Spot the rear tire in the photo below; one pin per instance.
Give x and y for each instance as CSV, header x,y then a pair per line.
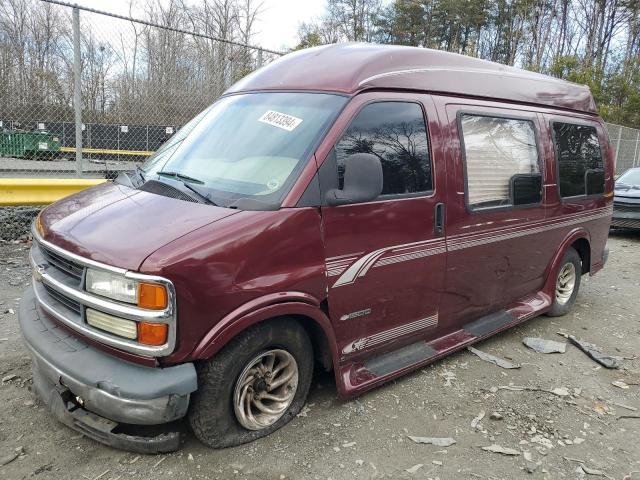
x,y
235,386
567,283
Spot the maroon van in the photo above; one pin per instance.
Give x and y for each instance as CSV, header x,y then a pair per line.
x,y
372,208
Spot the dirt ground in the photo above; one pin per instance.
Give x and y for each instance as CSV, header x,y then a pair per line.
x,y
589,428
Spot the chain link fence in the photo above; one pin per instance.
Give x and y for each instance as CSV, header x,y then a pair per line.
x,y
627,145
84,93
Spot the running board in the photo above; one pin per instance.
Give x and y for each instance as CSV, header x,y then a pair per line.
x,y
360,376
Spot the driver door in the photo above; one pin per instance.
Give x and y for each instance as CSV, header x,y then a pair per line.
x,y
385,259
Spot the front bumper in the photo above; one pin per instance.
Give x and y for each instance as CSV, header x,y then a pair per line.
x,y
94,392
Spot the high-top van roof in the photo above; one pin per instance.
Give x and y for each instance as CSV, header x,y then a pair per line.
x,y
353,67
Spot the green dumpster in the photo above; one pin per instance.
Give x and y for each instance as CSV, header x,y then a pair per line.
x,y
19,144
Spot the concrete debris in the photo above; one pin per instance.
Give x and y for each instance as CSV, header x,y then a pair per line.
x,y
10,457
477,419
493,359
414,469
607,361
541,345
591,471
8,378
560,391
496,416
437,441
620,384
9,311
495,448
545,442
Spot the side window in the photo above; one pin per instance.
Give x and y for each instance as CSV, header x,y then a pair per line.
x,y
580,164
394,132
500,153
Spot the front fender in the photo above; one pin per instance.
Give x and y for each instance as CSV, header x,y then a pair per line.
x,y
264,308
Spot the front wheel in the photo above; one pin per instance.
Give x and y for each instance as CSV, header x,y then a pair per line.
x,y
254,386
567,283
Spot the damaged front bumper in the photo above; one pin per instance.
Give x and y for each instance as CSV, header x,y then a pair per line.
x,y
100,395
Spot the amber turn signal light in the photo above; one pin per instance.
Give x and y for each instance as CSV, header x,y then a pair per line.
x,y
154,334
152,296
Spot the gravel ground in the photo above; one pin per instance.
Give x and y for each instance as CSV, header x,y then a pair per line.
x,y
589,428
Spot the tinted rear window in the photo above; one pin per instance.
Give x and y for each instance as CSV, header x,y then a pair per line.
x,y
580,164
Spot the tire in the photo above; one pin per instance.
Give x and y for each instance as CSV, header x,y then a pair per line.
x,y
212,416
563,299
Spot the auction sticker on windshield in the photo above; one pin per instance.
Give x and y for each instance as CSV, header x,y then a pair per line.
x,y
280,120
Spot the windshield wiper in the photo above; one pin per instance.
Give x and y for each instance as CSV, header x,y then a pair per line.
x,y
203,195
186,180
181,176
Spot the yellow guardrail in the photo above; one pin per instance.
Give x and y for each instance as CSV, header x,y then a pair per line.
x,y
41,191
140,153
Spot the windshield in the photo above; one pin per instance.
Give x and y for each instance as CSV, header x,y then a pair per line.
x,y
247,146
630,177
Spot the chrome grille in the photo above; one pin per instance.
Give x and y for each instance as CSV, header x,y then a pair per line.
x,y
621,207
68,267
64,300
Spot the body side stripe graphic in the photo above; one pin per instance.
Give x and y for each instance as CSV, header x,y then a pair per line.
x,y
391,334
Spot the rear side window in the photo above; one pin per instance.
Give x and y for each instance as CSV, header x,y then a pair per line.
x,y
579,158
394,132
497,151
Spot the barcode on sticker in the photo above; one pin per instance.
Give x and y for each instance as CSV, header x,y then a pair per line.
x,y
280,120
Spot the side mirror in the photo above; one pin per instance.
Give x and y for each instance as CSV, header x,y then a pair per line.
x,y
362,180
594,182
525,189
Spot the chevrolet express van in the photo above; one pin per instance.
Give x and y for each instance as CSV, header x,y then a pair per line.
x,y
372,208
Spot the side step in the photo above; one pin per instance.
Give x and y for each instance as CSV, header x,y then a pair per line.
x,y
399,359
360,376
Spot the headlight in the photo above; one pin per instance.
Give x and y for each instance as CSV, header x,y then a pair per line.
x,y
112,286
118,287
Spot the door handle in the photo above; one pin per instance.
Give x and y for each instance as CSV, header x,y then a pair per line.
x,y
438,227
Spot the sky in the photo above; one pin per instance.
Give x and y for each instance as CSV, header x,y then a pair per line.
x,y
278,23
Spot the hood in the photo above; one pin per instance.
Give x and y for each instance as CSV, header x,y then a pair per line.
x,y
121,226
623,190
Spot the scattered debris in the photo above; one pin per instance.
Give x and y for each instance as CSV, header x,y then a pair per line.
x,y
9,311
495,448
414,469
620,384
348,444
10,457
591,471
545,442
438,442
9,377
607,361
541,345
496,416
493,359
626,407
448,376
436,462
628,416
304,412
560,391
477,419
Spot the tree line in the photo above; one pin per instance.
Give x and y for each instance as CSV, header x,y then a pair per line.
x,y
131,72
593,42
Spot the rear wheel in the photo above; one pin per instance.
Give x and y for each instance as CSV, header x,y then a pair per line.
x,y
567,283
254,386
